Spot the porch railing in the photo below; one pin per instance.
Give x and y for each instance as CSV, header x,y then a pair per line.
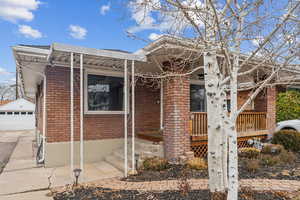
x,y
246,122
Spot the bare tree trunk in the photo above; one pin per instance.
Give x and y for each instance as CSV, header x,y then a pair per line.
x,y
216,172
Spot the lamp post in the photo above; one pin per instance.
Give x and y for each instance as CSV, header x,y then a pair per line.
x,y
76,174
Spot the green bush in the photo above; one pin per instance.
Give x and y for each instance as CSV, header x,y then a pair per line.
x,y
155,164
289,139
288,105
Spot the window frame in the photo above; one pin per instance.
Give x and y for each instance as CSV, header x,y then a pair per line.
x,y
197,82
102,73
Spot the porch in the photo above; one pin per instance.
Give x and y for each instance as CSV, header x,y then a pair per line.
x,y
249,125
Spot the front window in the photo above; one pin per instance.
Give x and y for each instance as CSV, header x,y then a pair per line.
x,y
197,98
104,93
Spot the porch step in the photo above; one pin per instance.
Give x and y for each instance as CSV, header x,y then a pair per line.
x,y
142,147
117,162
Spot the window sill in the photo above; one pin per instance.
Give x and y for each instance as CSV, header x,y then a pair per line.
x,y
104,112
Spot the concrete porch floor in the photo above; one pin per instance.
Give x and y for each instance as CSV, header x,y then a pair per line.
x,y
21,173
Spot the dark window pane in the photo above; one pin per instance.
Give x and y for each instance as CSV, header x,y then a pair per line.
x,y
9,113
2,113
197,98
29,113
105,93
23,113
16,113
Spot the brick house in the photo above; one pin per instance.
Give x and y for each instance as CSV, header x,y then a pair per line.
x,y
84,113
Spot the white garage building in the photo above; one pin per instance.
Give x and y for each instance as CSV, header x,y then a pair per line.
x,y
17,115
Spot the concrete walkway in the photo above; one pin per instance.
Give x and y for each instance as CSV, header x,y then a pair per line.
x,y
21,175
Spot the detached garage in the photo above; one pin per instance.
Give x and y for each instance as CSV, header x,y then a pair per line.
x,y
17,115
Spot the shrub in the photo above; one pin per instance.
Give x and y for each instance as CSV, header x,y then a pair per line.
x,y
273,149
287,157
288,105
252,165
269,160
290,139
155,164
249,152
197,163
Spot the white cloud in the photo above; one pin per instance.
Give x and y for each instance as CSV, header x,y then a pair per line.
x,y
29,32
13,10
104,9
154,36
77,32
4,71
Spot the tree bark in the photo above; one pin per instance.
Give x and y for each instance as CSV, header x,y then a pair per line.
x,y
232,136
217,180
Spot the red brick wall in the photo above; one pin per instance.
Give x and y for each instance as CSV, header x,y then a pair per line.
x,y
96,126
176,117
147,108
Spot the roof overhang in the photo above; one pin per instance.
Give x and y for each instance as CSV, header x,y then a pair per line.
x,y
32,60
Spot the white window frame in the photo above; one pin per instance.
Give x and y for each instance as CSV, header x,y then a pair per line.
x,y
101,73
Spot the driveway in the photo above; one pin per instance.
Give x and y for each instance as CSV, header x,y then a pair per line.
x,y
6,149
23,179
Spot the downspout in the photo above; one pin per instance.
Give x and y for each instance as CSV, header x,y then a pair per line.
x,y
44,118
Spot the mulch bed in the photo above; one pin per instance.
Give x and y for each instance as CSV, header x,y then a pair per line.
x,y
284,171
89,193
280,171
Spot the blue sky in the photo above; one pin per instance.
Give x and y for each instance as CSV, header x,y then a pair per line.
x,y
95,23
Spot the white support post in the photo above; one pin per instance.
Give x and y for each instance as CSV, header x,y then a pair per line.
x,y
72,115
81,113
44,116
133,115
161,104
125,119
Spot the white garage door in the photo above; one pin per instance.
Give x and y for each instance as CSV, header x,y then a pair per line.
x,y
17,120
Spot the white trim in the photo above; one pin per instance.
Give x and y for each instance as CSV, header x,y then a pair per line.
x,y
125,120
133,115
97,52
44,116
72,115
81,112
31,49
103,73
197,82
161,104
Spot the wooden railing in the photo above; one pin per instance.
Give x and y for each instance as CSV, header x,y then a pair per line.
x,y
246,122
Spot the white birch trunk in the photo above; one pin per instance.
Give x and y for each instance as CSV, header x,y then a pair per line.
x,y
214,123
232,137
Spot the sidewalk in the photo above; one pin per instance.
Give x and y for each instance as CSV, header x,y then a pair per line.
x,y
21,173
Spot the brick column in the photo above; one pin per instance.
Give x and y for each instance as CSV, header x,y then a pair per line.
x,y
176,118
271,109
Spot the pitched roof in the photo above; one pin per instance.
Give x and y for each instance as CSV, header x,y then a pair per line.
x,y
2,102
18,105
